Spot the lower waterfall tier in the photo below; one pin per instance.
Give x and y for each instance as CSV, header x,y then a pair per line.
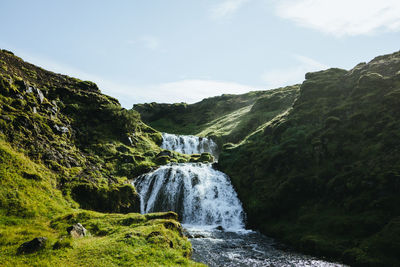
x,y
197,192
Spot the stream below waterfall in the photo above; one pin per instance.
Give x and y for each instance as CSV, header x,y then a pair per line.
x,y
210,211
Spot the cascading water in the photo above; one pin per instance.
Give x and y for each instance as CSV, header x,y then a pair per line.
x,y
197,192
204,198
188,144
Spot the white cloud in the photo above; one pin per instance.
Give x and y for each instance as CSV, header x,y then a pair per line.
x,y
227,8
292,75
343,17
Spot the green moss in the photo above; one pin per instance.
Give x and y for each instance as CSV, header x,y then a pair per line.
x,y
76,145
321,177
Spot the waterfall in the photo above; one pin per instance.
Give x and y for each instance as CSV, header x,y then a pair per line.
x,y
197,192
200,195
188,144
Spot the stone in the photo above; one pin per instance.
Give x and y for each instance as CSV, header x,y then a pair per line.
x,y
164,153
39,93
219,228
122,149
198,236
34,245
61,129
77,230
163,160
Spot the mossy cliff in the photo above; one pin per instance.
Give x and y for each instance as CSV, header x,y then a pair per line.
x,y
65,146
86,137
320,170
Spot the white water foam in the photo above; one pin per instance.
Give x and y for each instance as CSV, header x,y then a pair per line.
x,y
199,194
188,144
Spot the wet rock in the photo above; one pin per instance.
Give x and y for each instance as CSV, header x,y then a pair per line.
x,y
162,160
187,234
206,157
164,153
219,228
77,230
34,245
199,236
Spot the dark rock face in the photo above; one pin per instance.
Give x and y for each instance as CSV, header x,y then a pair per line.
x,y
77,230
32,246
164,153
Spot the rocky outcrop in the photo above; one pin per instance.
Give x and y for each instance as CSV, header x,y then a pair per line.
x,y
77,230
32,246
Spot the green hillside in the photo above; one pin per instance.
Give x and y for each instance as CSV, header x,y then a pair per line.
x,y
66,147
226,118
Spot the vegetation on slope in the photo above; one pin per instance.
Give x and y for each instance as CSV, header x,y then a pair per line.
x,y
326,176
93,144
226,118
63,142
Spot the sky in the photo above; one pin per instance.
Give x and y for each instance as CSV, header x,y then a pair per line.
x,y
185,50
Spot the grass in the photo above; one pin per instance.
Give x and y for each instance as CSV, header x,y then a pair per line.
x,y
32,206
48,176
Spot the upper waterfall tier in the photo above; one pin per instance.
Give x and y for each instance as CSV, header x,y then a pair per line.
x,y
188,144
198,193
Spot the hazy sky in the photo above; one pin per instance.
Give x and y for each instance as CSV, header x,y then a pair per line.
x,y
185,50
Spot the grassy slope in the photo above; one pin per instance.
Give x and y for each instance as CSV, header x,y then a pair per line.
x,y
44,171
226,118
31,206
102,146
326,177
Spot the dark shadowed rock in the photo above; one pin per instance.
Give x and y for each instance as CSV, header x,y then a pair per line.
x,y
164,153
34,245
219,228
